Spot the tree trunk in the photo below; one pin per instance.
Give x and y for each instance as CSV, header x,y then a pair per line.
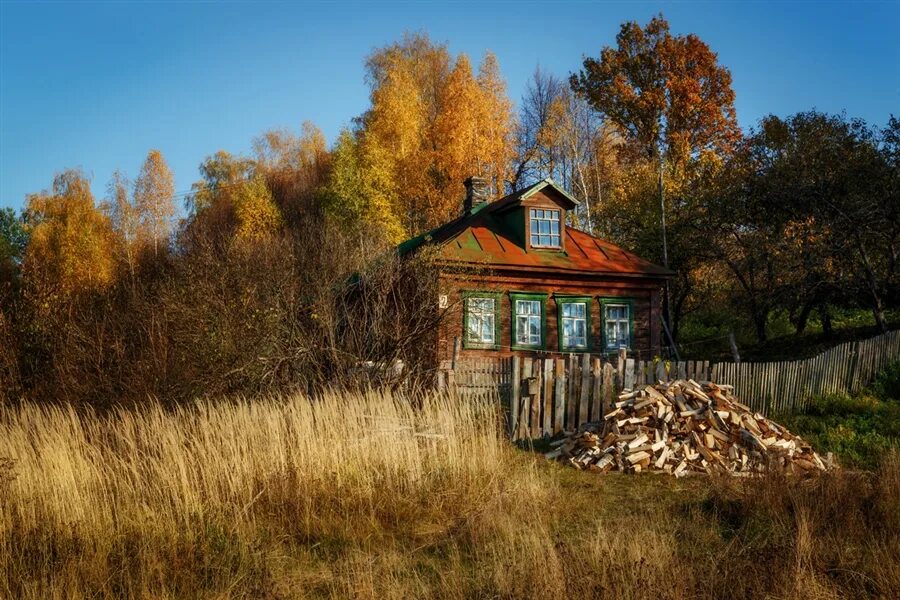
x,y
825,315
872,284
760,317
801,320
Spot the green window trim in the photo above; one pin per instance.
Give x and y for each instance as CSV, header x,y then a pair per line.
x,y
560,301
604,303
513,334
497,298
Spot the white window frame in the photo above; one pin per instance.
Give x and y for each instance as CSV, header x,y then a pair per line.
x,y
524,321
566,345
481,314
553,219
626,321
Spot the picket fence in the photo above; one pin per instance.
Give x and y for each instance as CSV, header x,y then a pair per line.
x,y
544,396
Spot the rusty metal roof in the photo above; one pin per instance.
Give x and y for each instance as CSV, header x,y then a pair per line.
x,y
485,238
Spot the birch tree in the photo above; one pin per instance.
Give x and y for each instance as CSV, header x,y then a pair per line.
x,y
154,191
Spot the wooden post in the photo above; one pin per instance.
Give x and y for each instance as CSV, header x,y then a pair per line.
x,y
609,392
628,384
661,371
621,367
734,348
572,399
514,396
524,429
536,401
548,396
560,423
585,389
596,399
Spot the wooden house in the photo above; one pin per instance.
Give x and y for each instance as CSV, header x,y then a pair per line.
x,y
515,278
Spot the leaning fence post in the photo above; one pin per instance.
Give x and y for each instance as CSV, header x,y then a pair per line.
x,y
621,368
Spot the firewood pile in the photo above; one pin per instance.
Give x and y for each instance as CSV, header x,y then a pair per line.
x,y
684,427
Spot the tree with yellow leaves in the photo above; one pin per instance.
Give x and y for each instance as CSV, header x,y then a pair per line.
x,y
473,128
72,245
497,124
429,127
233,201
256,215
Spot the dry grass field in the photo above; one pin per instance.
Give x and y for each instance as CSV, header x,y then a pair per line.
x,y
373,496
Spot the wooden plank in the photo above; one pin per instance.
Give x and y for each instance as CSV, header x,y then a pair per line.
x,y
585,394
661,371
548,397
620,367
559,422
596,390
629,374
609,388
536,402
515,397
571,395
525,413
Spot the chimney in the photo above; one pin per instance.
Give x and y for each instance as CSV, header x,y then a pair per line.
x,y
476,195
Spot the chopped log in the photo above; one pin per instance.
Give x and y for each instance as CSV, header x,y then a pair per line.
x,y
684,427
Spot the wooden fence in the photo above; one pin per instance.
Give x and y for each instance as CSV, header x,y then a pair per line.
x,y
543,396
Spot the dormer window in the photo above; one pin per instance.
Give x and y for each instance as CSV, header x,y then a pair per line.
x,y
545,228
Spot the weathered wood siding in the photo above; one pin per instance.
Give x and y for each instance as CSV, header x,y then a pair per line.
x,y
645,294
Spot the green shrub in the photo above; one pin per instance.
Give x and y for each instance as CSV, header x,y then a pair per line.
x,y
859,429
887,384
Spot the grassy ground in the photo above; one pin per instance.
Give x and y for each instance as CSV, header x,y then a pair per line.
x,y
367,497
859,429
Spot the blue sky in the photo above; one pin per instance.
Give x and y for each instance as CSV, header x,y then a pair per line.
x,y
96,85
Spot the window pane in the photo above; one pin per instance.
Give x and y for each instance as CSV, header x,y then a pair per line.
x,y
579,328
480,320
487,332
554,226
522,330
474,327
545,226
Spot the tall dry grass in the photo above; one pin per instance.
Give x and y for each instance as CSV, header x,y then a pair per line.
x,y
377,496
222,498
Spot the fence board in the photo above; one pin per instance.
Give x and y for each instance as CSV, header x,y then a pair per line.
x,y
548,396
536,403
585,389
596,390
560,395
